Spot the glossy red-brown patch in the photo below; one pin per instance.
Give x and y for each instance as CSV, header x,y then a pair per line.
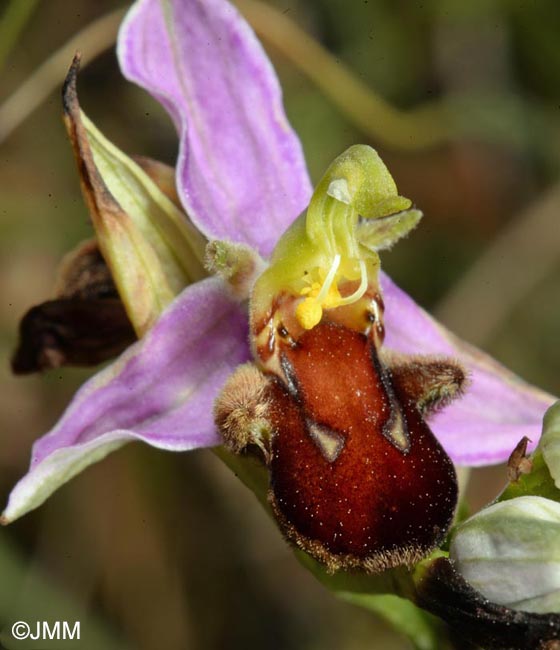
x,y
368,498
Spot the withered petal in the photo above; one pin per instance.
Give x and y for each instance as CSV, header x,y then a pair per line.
x,y
71,332
83,273
84,325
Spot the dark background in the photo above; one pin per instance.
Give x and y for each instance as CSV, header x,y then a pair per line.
x,y
155,550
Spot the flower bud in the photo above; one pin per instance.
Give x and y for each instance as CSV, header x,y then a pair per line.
x,y
510,552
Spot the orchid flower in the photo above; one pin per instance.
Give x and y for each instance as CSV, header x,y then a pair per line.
x,y
241,177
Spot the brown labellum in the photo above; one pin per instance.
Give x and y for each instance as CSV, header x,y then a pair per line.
x,y
357,477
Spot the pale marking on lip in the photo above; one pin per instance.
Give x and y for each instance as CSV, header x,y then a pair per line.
x,y
396,432
329,443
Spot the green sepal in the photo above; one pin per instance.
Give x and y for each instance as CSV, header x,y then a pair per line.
x,y
178,245
148,244
510,552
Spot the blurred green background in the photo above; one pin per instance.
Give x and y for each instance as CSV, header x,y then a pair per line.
x,y
154,550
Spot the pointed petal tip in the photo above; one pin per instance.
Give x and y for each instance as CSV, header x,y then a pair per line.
x,y
160,391
187,50
497,408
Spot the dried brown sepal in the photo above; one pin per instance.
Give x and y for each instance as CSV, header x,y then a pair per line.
x,y
96,194
84,325
431,382
73,332
445,593
357,478
84,274
142,283
518,462
241,411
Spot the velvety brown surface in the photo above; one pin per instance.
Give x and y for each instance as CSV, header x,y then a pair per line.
x,y
72,331
374,497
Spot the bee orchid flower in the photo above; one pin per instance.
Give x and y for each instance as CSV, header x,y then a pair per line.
x,y
241,178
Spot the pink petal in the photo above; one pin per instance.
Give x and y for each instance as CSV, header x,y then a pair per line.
x,y
497,409
161,391
241,174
